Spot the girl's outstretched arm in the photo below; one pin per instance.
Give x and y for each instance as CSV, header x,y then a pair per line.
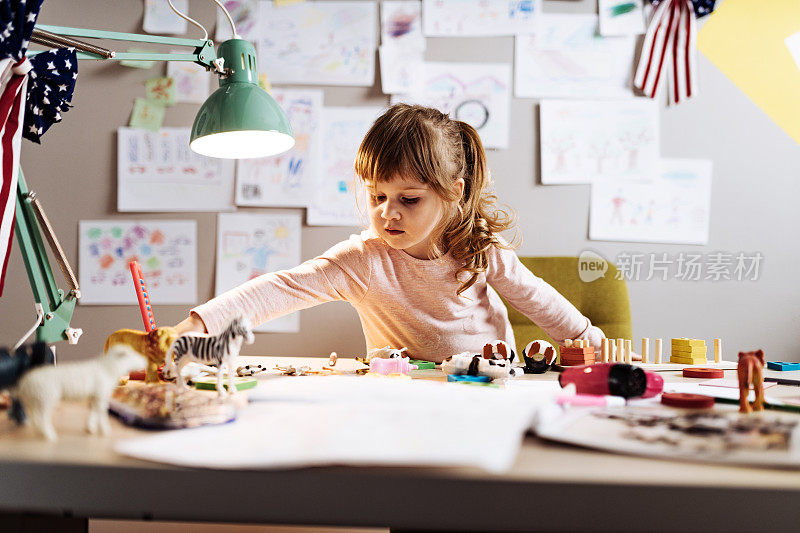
x,y
537,299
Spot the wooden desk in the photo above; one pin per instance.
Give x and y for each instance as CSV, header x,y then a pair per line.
x,y
551,487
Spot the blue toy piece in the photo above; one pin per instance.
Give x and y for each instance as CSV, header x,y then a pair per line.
x,y
464,377
783,366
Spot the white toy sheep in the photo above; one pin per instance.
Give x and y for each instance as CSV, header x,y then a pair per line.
x,y
42,388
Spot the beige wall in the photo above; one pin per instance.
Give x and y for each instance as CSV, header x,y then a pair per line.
x,y
754,205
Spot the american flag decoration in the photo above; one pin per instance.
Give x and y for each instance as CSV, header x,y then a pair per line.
x,y
17,19
670,48
50,88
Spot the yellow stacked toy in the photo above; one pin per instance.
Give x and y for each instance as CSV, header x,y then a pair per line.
x,y
688,351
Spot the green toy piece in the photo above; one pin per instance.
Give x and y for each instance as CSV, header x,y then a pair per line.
x,y
210,383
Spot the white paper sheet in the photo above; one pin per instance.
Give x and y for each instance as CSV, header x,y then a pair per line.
x,y
287,179
455,18
477,93
334,203
591,141
249,245
160,18
401,23
165,249
400,68
323,43
192,82
674,208
298,422
245,17
566,58
156,171
620,17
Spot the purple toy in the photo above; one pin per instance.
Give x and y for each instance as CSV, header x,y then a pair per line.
x,y
397,365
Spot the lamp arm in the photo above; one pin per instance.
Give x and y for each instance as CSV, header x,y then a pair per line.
x,y
203,53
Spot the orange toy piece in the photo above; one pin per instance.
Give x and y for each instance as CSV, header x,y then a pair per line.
x,y
153,345
749,371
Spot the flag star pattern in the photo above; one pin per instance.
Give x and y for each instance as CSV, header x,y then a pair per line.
x,y
50,91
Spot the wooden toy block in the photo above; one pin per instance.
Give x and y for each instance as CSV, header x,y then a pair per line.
x,y
658,351
628,350
688,360
782,366
604,350
645,349
568,343
684,342
577,351
620,350
717,350
693,350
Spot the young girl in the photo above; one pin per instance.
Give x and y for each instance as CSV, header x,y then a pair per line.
x,y
427,273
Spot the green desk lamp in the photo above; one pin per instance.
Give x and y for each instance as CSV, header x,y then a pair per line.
x,y
239,120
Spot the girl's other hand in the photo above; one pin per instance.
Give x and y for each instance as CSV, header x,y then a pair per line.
x,y
192,324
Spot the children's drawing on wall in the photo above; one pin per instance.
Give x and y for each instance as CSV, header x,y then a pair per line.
x,y
477,93
620,17
251,245
672,208
337,188
156,171
594,141
165,249
245,17
287,179
454,18
325,43
192,82
159,17
566,58
401,22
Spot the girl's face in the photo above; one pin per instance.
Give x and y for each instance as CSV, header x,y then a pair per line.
x,y
404,212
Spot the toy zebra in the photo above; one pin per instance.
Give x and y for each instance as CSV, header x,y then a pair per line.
x,y
220,350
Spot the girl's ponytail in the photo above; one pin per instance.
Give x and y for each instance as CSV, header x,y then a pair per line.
x,y
474,230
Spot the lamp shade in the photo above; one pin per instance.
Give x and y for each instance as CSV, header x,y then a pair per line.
x,y
240,120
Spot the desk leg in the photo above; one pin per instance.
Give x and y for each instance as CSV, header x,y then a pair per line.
x,y
41,523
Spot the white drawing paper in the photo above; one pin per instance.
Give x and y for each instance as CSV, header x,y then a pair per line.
x,y
476,93
342,419
566,58
343,129
400,68
401,23
192,82
592,141
793,44
251,245
673,208
322,43
245,17
620,17
156,171
160,18
165,249
462,18
287,179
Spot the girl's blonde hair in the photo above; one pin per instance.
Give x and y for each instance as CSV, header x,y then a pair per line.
x,y
423,143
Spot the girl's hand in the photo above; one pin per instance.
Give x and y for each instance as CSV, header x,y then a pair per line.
x,y
192,324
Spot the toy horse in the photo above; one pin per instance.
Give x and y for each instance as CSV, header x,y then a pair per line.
x,y
749,372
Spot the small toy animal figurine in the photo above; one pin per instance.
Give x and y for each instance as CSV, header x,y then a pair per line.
x,y
749,371
476,365
498,350
42,388
221,350
538,355
250,370
153,345
395,365
387,352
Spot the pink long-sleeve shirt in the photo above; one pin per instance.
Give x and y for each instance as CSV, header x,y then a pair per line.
x,y
407,302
